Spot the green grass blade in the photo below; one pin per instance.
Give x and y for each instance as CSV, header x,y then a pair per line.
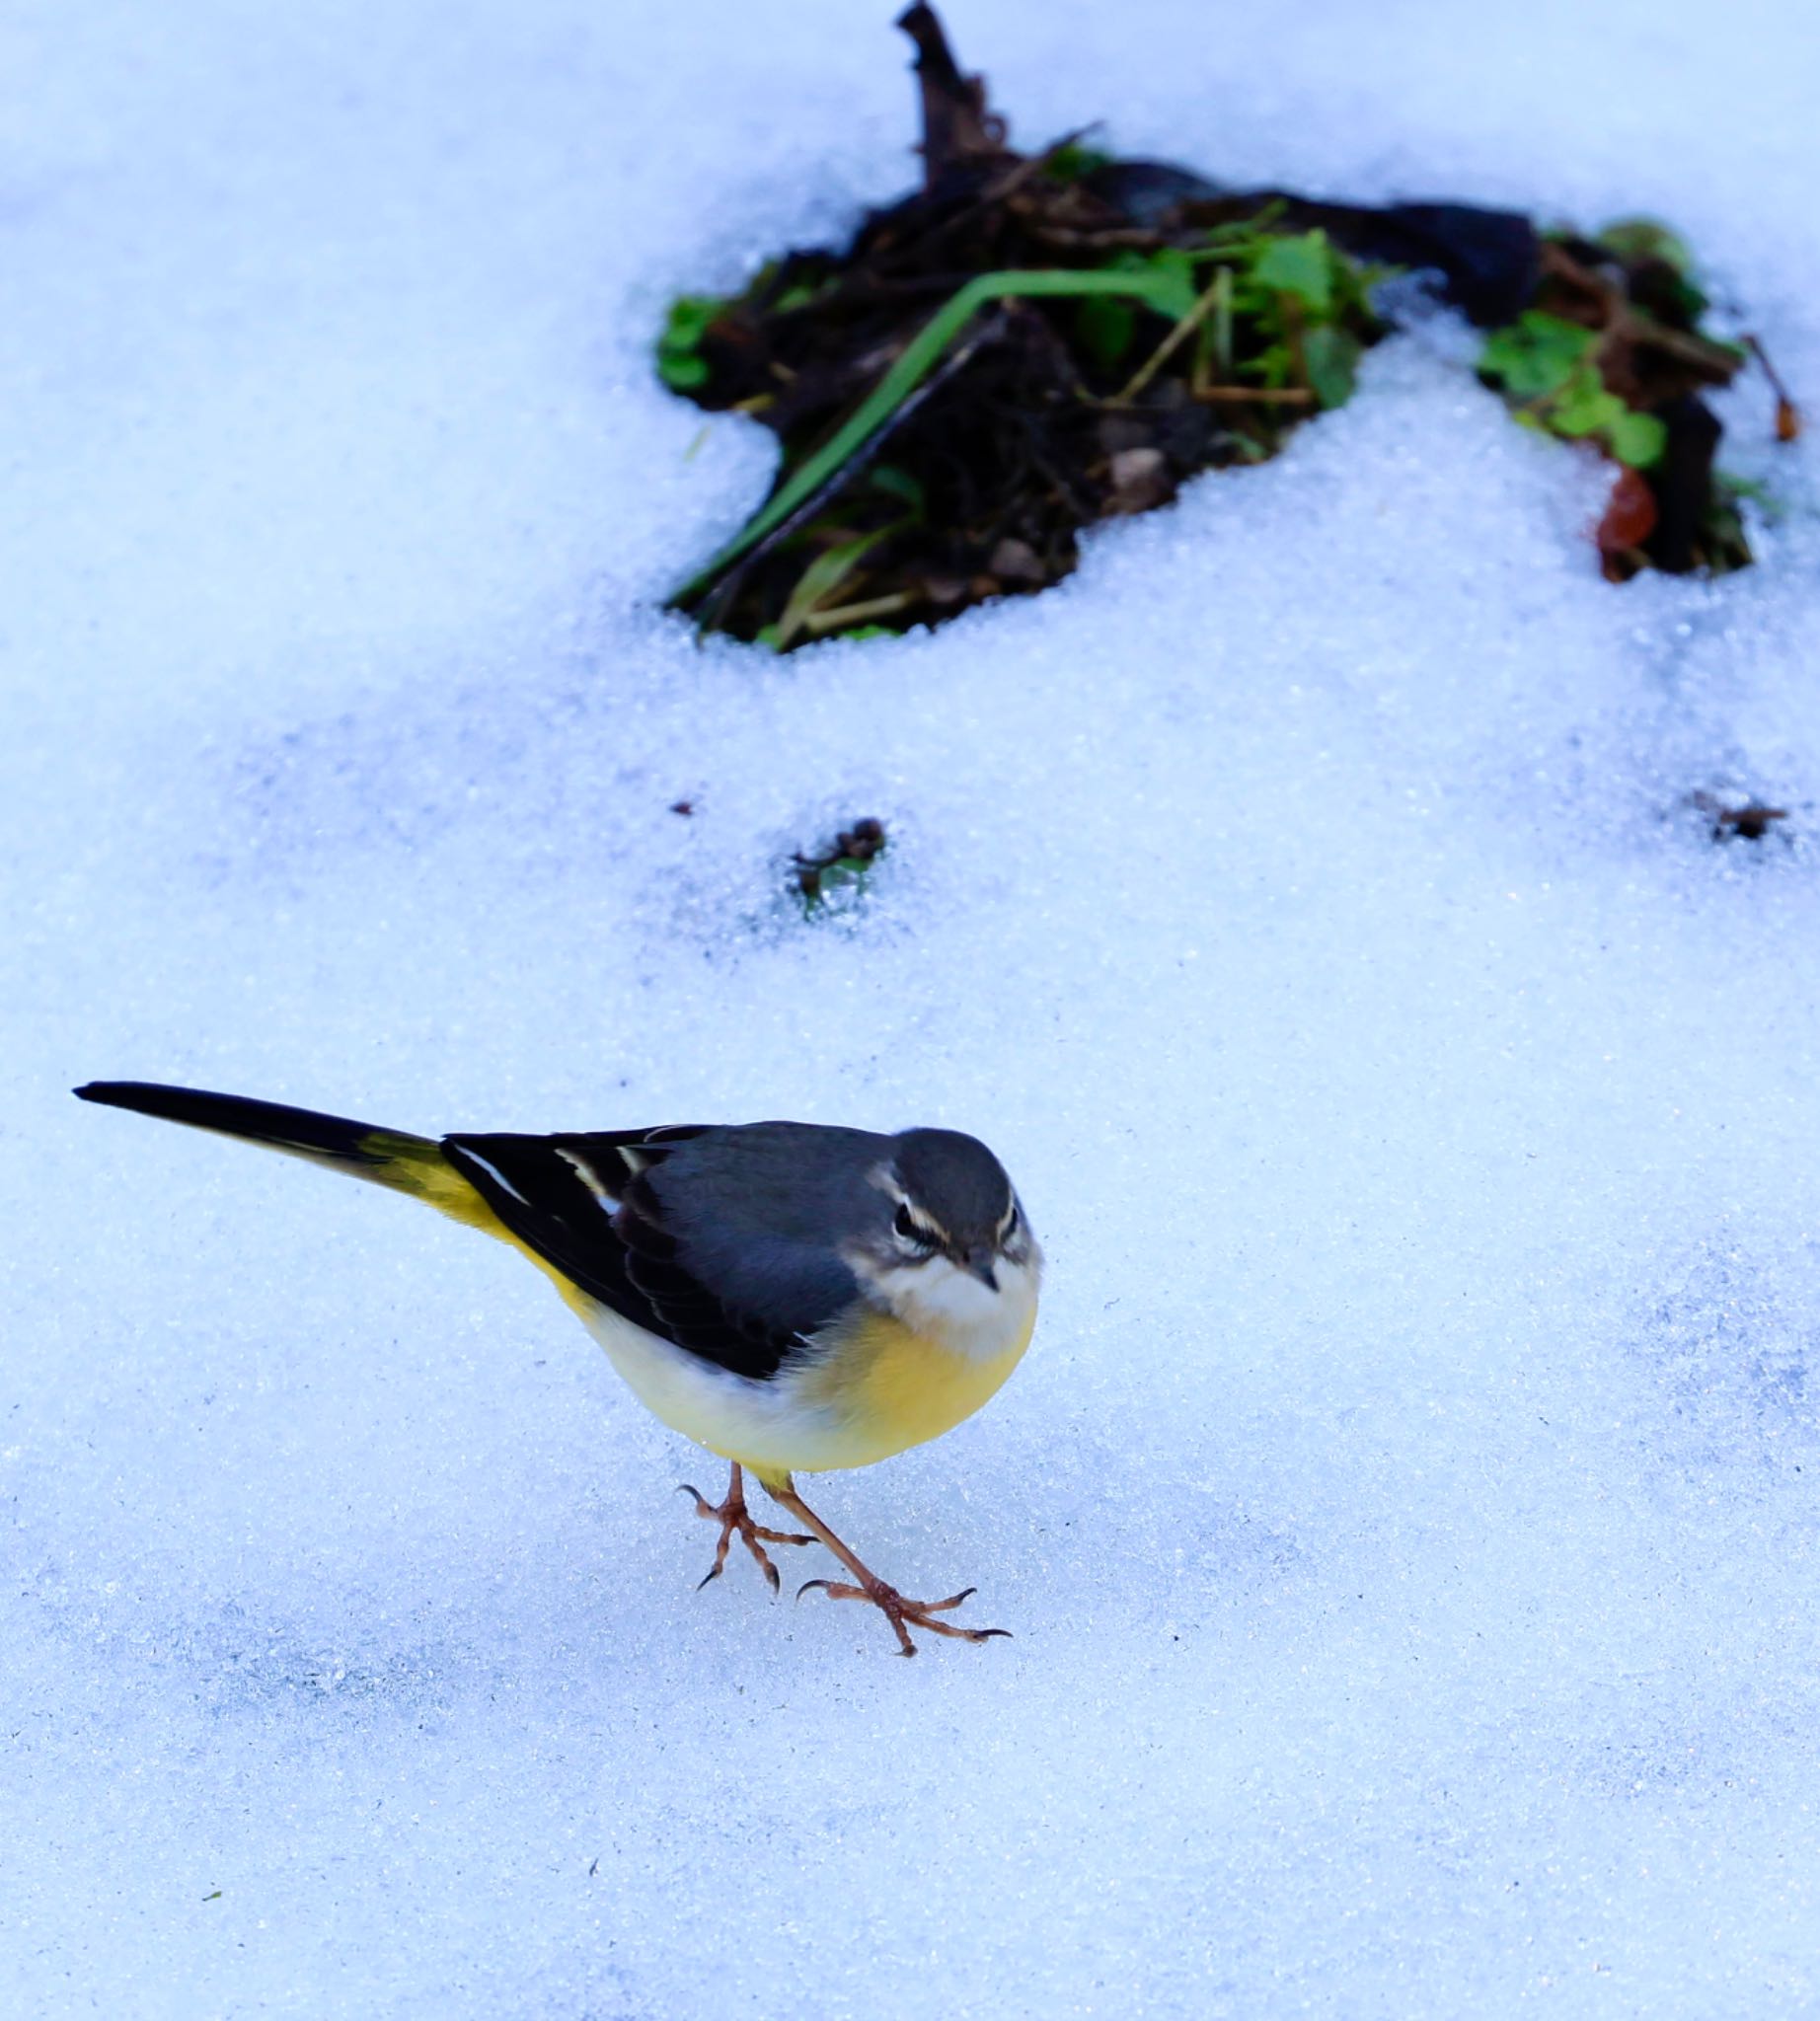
x,y
912,366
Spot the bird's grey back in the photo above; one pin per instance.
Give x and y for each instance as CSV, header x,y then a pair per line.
x,y
760,1211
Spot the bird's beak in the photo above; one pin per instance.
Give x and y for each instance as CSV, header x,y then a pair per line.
x,y
978,1263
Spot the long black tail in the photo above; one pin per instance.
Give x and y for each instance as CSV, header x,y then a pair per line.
x,y
388,1158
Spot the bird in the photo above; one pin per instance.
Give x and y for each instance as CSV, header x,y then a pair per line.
x,y
795,1298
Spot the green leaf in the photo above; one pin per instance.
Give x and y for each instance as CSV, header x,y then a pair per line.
x,y
678,364
1301,266
1069,162
1583,407
1171,291
821,579
1537,354
688,321
1106,327
1638,441
1177,291
1635,239
1274,366
897,483
1597,416
1331,358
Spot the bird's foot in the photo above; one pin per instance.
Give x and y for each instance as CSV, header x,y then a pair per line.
x,y
735,1518
905,1614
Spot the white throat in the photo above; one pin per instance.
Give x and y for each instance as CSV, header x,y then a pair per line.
x,y
952,1305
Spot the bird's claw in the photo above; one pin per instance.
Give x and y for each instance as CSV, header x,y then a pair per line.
x,y
905,1614
735,1517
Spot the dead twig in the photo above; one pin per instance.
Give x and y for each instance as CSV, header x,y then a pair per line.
x,y
1787,414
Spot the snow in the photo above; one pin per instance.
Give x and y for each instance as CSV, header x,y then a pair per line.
x,y
1406,1513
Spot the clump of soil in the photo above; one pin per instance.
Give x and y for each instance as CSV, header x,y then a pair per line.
x,y
1029,345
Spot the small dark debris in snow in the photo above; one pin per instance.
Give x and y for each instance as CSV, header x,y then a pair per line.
x,y
843,867
1751,820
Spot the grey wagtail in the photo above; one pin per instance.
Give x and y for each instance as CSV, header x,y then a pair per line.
x,y
791,1297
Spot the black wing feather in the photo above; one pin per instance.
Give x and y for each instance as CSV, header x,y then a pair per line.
x,y
583,1203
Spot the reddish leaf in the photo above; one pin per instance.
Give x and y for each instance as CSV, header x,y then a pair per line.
x,y
1630,518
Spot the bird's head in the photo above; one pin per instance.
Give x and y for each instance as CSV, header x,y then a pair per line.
x,y
949,1247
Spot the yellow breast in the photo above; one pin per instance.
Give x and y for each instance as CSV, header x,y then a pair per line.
x,y
890,1387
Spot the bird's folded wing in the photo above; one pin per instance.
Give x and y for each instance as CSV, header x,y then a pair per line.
x,y
584,1204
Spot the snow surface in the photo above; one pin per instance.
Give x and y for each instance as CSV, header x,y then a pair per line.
x,y
1406,1513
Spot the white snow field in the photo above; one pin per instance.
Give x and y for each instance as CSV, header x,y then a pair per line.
x,y
1407,1514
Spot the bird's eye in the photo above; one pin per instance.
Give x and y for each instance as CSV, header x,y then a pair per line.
x,y
1011,1226
909,1230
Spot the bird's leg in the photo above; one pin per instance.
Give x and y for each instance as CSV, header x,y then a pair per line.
x,y
904,1614
733,1514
